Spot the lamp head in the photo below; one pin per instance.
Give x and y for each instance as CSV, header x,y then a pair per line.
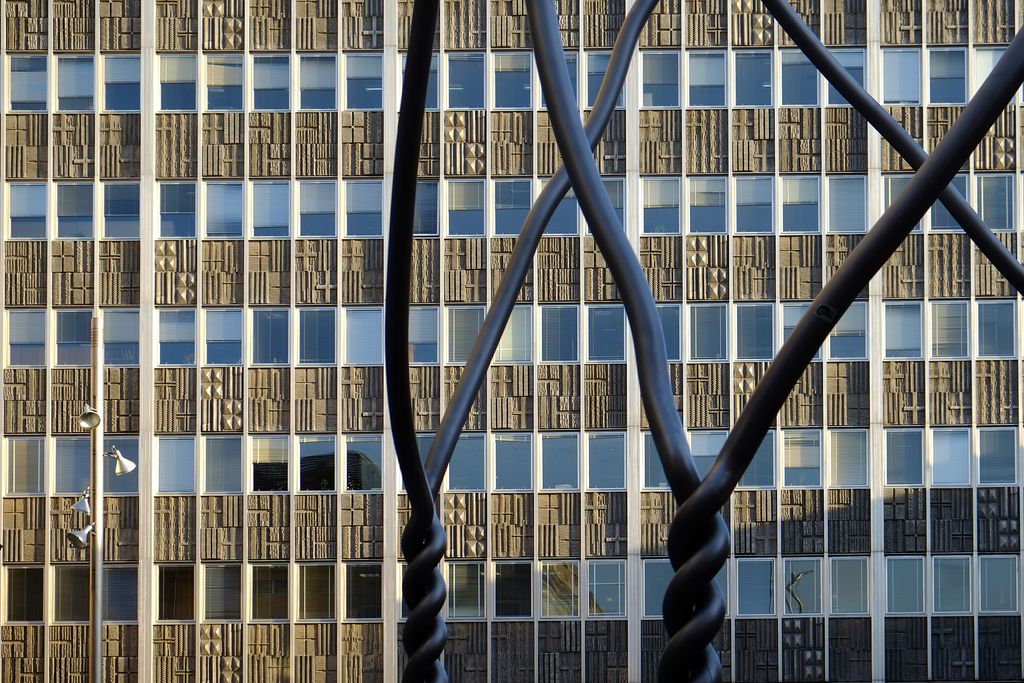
x,y
122,465
80,539
89,419
82,505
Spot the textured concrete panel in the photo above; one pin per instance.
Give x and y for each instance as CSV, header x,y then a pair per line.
x,y
803,649
120,25
707,396
24,530
72,274
901,22
25,401
465,24
501,255
316,25
558,270
753,264
952,648
849,649
362,143
27,138
512,392
757,650
223,24
652,645
174,400
222,399
270,25
952,520
661,141
465,273
656,511
465,525
267,527
120,262
25,281
602,20
21,649
430,145
120,529
174,652
745,378
316,144
752,26
27,25
996,390
362,650
844,22
220,652
362,271
998,149
677,379
753,140
511,143
949,266
362,24
804,407
512,651
269,652
904,398
316,272
665,26
316,399
269,272
755,529
993,23
361,399
224,145
662,260
607,652
989,282
604,524
802,522
799,267
707,149
604,390
223,279
809,11
465,142
906,527
947,22
174,527
707,23
222,521
799,140
949,385
176,146
316,653
425,284
558,647
70,390
316,527
848,394
477,417
362,526
999,520
846,133
707,267
121,400
512,525
611,149
912,120
849,521
67,649
74,140
120,145
270,147
425,389
837,249
549,157
999,648
175,266
509,27
177,25
558,525
269,400
558,396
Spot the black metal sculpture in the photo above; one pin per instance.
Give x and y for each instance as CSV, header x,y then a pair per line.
x,y
698,539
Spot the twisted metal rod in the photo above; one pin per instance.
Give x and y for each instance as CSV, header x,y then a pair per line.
x,y
688,555
890,129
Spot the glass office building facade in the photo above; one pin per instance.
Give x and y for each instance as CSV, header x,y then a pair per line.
x,y
215,175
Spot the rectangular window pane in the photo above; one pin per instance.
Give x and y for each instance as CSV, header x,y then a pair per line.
x,y
951,457
754,332
176,599
657,574
316,463
26,338
997,456
362,591
849,457
559,338
177,210
71,593
660,79
423,335
363,334
465,81
270,592
948,75
802,586
707,79
847,204
606,334
513,592
270,82
800,205
71,465
903,457
363,202
607,583
176,464
224,209
849,585
466,469
997,328
560,461
75,83
465,590
317,208
998,584
516,345
425,219
224,82
849,337
995,201
754,204
223,593
512,75
223,462
121,210
755,581
707,205
270,337
28,83
74,210
513,462
316,591
905,584
316,336
24,594
271,208
754,79
177,82
269,463
28,210
902,330
559,589
364,82
464,323
704,446
761,471
799,79
317,79
708,332
853,62
902,76
661,206
25,467
122,76
606,461
363,463
224,337
952,583
121,338
802,457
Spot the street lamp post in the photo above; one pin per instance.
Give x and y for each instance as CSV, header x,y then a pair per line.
x,y
91,503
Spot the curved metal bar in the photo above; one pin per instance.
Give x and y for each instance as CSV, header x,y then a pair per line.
x,y
423,541
697,613
890,129
815,325
526,245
